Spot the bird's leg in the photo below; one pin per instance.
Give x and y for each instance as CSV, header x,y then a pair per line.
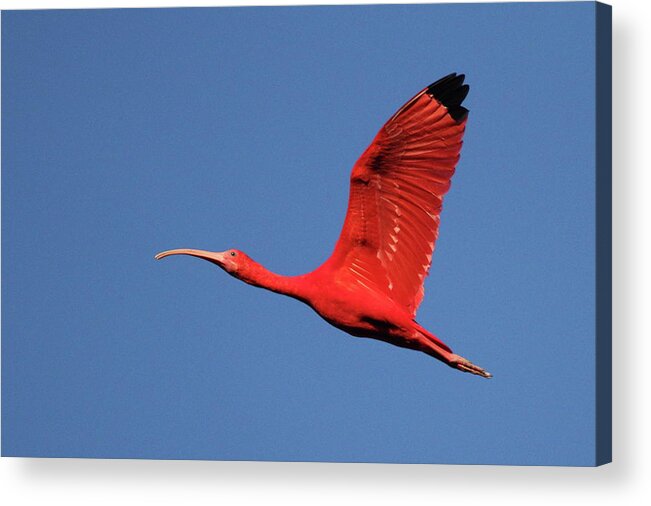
x,y
466,365
456,361
436,348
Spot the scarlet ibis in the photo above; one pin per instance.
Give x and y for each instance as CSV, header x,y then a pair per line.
x,y
372,284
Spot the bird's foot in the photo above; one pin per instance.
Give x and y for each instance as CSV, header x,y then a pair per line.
x,y
466,365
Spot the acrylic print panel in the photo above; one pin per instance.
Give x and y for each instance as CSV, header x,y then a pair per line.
x,y
129,132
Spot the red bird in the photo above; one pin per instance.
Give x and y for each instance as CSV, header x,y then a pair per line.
x,y
372,284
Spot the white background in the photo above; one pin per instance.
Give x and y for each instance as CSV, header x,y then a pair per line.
x,y
626,481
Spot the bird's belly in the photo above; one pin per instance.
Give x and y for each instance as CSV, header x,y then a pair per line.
x,y
363,315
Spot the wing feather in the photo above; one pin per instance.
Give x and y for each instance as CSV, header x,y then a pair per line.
x,y
396,194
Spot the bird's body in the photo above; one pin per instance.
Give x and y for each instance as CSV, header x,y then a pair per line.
x,y
372,284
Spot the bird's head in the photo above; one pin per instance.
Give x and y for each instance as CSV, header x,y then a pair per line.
x,y
233,261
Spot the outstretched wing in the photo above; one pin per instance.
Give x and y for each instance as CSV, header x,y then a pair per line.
x,y
396,194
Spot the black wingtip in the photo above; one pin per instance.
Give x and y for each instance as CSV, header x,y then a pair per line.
x,y
450,91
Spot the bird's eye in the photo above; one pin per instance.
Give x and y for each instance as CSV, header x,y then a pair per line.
x,y
232,253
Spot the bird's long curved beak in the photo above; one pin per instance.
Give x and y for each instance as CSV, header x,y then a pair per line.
x,y
216,257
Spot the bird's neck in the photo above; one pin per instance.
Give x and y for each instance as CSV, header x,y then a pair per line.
x,y
292,286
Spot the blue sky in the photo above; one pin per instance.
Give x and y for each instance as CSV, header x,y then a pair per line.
x,y
127,132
